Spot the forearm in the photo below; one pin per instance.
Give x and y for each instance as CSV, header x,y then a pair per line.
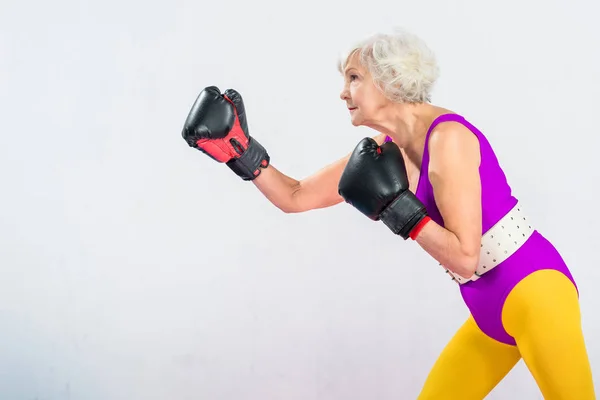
x,y
279,189
444,246
319,190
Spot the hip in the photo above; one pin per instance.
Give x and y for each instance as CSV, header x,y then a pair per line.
x,y
536,254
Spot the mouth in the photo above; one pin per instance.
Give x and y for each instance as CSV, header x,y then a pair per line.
x,y
352,108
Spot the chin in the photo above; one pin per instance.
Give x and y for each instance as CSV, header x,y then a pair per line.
x,y
355,121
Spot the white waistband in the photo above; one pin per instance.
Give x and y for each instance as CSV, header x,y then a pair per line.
x,y
500,242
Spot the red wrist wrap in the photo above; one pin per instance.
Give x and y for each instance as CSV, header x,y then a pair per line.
x,y
415,232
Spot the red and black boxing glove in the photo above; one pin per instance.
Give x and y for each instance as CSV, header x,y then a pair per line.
x,y
375,182
217,126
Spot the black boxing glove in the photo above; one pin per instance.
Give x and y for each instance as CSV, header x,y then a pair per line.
x,y
217,126
376,183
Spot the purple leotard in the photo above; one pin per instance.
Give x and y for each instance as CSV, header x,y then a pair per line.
x,y
485,297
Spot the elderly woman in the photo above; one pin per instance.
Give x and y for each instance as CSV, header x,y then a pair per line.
x,y
431,176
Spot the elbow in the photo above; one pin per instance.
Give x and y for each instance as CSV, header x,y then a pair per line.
x,y
293,204
469,266
468,260
288,209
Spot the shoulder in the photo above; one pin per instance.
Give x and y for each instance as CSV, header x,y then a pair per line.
x,y
452,135
452,143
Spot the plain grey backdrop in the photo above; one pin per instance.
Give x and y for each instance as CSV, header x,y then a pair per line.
x,y
134,267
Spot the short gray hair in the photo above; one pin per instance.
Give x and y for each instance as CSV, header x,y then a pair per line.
x,y
401,65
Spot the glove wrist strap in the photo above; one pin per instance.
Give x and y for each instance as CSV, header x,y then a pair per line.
x,y
404,214
248,165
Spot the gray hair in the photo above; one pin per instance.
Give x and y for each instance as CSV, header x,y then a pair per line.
x,y
401,65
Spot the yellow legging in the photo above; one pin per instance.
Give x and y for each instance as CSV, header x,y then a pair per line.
x,y
542,314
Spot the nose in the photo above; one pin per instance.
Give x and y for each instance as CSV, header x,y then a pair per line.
x,y
345,94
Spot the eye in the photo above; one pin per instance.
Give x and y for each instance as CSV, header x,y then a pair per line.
x,y
353,77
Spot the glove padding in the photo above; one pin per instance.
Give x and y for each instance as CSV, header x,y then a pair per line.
x,y
376,183
217,126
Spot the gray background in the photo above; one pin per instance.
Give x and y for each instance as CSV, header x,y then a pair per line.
x,y
134,267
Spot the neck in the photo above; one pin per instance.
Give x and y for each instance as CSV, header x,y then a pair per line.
x,y
407,125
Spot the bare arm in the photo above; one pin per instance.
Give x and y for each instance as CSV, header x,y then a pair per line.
x,y
454,175
318,190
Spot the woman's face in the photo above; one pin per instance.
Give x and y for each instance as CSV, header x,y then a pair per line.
x,y
364,100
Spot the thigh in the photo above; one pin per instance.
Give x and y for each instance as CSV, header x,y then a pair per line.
x,y
542,314
470,366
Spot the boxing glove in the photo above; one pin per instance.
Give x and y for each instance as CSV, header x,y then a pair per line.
x,y
217,126
376,183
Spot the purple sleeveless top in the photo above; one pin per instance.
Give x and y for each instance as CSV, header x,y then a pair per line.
x,y
496,195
